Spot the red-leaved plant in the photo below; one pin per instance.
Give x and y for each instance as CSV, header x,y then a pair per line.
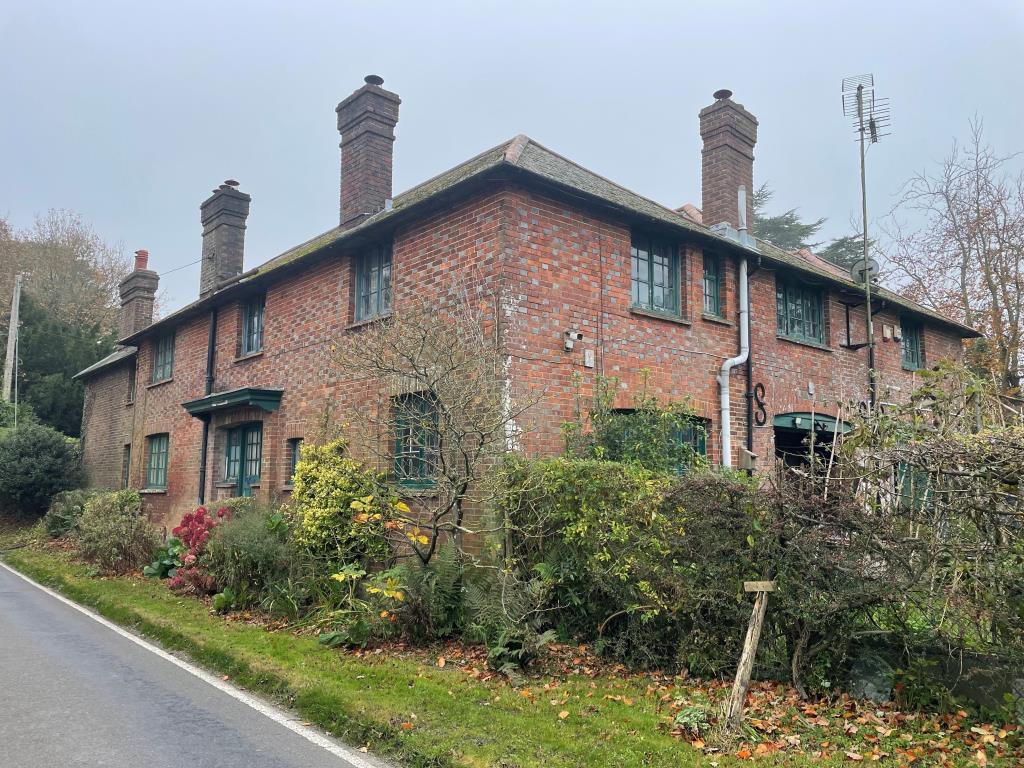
x,y
194,531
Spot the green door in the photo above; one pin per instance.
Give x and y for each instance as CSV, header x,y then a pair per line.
x,y
244,457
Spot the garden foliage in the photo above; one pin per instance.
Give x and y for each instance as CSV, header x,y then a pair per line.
x,y
114,534
36,463
65,511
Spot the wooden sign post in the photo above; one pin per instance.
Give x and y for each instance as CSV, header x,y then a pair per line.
x,y
734,710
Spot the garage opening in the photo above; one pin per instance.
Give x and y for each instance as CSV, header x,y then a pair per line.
x,y
798,433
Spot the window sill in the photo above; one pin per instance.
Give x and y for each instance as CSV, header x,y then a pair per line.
x,y
805,343
913,368
717,319
129,403
248,356
152,491
659,315
416,491
225,484
367,321
288,487
159,383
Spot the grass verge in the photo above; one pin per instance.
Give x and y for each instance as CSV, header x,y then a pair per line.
x,y
408,709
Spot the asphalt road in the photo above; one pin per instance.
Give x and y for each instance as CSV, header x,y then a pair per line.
x,y
74,692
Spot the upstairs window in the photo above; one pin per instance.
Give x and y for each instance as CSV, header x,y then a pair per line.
x,y
417,440
373,283
712,285
655,271
252,325
912,345
157,447
163,358
799,311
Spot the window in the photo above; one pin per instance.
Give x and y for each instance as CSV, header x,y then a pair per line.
x,y
243,457
163,358
913,349
252,325
156,460
373,283
126,465
712,285
647,436
417,441
131,382
655,275
294,453
799,312
695,435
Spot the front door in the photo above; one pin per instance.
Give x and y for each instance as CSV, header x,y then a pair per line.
x,y
244,457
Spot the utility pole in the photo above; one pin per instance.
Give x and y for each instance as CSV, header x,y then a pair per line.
x,y
12,341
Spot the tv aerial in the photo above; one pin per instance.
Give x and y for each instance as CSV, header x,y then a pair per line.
x,y
871,120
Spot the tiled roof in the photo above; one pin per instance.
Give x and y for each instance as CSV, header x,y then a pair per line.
x,y
536,161
119,354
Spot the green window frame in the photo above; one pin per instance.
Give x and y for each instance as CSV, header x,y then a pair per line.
x,y
373,283
417,440
163,358
655,273
799,311
126,465
157,453
243,457
912,345
294,454
252,325
712,285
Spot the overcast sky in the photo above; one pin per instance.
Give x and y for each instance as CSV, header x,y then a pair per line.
x,y
130,113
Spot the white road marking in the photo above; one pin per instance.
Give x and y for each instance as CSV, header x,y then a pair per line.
x,y
353,757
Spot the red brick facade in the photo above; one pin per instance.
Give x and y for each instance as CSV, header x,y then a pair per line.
x,y
555,262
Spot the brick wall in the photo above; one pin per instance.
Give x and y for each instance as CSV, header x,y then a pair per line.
x,y
569,269
555,267
107,425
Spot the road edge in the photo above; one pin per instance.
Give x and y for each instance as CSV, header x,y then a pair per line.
x,y
289,720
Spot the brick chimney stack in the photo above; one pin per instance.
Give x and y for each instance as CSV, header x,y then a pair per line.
x,y
223,216
366,121
727,161
138,292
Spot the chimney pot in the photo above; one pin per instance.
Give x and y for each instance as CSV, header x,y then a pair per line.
x,y
723,93
141,260
374,80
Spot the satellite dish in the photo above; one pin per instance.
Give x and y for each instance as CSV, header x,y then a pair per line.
x,y
860,272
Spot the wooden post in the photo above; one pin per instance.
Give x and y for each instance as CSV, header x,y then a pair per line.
x,y
734,709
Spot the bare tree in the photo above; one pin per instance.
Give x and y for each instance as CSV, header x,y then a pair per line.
x,y
435,412
967,258
70,271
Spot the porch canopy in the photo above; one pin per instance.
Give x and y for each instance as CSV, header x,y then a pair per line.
x,y
803,420
268,400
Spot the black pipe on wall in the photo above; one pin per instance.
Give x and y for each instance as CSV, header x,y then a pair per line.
x,y
211,361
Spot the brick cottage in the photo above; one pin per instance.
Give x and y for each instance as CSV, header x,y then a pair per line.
x,y
214,399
